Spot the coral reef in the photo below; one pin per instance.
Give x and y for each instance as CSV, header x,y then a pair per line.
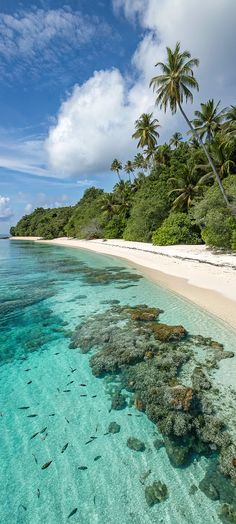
x,y
135,444
156,492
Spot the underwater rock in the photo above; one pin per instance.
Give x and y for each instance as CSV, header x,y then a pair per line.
x,y
199,379
217,486
227,461
179,397
158,443
155,493
114,427
135,444
167,333
144,313
118,401
177,453
227,514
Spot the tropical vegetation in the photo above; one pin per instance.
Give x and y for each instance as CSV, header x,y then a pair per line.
x,y
183,191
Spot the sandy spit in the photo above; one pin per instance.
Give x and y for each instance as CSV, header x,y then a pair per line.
x,y
194,272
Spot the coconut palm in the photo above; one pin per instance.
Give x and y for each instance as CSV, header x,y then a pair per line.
x,y
138,182
129,168
109,205
173,87
176,139
146,131
139,161
209,120
185,188
116,166
225,165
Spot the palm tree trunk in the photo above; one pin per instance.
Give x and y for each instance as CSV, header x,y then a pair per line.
x,y
207,155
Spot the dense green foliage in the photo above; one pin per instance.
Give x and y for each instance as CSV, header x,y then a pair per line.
x,y
181,192
176,229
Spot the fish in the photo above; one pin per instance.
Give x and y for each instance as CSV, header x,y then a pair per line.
x,y
43,430
88,442
28,369
94,498
51,415
84,385
64,447
73,370
58,390
34,435
68,422
97,458
72,513
45,466
38,493
31,416
71,382
83,395
56,353
24,407
66,390
30,382
35,458
93,438
93,396
107,433
21,506
82,468
129,414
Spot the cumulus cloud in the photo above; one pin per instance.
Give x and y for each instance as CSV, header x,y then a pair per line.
x,y
95,123
5,210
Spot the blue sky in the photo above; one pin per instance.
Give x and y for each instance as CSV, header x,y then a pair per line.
x,y
74,77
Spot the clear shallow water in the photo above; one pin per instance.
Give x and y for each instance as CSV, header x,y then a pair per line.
x,y
40,304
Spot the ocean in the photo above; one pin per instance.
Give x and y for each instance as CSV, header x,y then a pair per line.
x,y
56,413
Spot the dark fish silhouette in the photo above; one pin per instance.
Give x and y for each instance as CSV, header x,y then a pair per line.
x,y
129,414
43,430
84,385
30,382
45,466
34,435
97,458
93,438
38,493
71,382
94,498
28,369
21,506
66,390
89,441
72,513
51,415
83,395
24,407
58,390
32,416
35,458
64,447
73,370
108,433
56,353
68,422
94,396
82,468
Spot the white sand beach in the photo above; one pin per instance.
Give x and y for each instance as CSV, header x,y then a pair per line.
x,y
195,272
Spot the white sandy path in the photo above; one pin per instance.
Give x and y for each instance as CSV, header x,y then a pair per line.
x,y
206,278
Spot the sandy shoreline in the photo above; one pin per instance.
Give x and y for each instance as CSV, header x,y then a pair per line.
x,y
195,273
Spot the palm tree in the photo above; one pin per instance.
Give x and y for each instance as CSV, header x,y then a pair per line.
x,y
162,154
109,205
230,114
225,165
174,86
209,120
116,166
138,182
176,139
139,161
129,168
146,131
186,188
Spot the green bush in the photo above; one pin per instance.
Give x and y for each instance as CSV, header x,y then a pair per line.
x,y
115,227
176,229
219,229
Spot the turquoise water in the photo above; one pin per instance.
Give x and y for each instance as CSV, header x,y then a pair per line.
x,y
44,294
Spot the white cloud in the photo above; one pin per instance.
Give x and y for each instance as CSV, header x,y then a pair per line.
x,y
28,208
96,123
39,38
24,156
5,209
